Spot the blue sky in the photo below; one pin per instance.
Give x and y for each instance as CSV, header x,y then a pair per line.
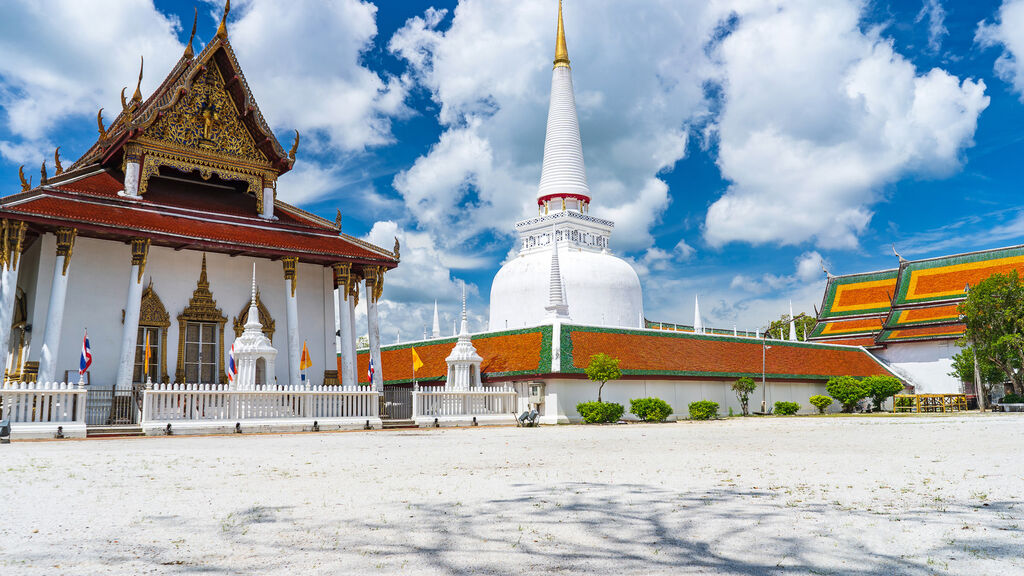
x,y
736,146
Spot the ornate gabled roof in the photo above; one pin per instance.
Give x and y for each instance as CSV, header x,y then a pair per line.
x,y
858,294
943,279
216,69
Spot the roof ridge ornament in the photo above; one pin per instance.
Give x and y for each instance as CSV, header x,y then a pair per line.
x,y
25,186
56,160
295,148
189,53
222,30
137,97
99,123
561,52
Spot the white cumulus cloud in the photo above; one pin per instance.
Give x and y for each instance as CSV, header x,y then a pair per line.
x,y
817,116
1007,30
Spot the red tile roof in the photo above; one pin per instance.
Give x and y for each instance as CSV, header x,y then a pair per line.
x,y
178,216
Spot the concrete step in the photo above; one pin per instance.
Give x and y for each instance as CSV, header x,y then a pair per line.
x,y
392,424
119,431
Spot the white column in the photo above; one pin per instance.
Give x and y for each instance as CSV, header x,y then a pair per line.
x,y
294,344
268,203
131,179
132,306
55,314
373,278
345,338
351,344
15,235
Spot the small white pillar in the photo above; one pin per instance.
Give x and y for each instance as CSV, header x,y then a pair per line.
x,y
268,203
294,344
131,179
353,299
374,286
15,236
130,329
344,340
55,314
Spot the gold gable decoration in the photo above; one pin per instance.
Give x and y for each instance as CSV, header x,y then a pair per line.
x,y
265,319
206,119
201,308
153,314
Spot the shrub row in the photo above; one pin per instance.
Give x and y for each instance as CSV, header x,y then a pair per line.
x,y
848,390
646,409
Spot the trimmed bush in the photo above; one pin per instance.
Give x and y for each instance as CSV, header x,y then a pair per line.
x,y
650,409
703,410
595,412
1012,399
786,408
847,390
820,402
881,388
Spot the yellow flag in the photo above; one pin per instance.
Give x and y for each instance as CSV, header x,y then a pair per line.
x,y
146,356
305,361
416,362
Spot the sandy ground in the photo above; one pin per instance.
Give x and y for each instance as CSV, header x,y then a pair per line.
x,y
804,495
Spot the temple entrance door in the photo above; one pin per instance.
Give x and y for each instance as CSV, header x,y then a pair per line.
x,y
396,402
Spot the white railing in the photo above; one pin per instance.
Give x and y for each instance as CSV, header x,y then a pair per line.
x,y
473,402
42,402
170,402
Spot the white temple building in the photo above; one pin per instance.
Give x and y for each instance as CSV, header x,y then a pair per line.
x,y
598,288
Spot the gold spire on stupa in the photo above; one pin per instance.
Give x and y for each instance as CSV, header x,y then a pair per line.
x,y
561,52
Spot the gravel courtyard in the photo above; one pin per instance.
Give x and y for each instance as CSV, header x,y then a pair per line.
x,y
805,495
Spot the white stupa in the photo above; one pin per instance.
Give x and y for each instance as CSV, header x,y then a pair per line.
x,y
597,288
463,362
253,351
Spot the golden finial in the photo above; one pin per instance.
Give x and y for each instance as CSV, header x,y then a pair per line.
x,y
188,49
124,103
99,124
25,186
56,160
561,52
222,30
398,249
137,97
42,174
337,221
295,147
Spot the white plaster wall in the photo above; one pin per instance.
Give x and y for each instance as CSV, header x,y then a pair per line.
x,y
562,396
98,287
926,365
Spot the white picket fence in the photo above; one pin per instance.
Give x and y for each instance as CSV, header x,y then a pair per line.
x,y
206,402
37,409
463,404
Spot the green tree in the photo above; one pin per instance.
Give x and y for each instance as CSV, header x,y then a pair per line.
x,y
880,388
963,369
847,390
993,314
743,387
820,402
603,368
779,329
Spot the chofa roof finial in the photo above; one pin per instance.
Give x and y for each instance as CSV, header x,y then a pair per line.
x,y
188,47
222,30
295,147
56,160
902,259
137,97
99,124
25,186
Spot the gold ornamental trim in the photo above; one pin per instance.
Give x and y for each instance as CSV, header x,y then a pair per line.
x,y
374,276
187,163
66,245
291,271
12,234
201,308
140,253
153,314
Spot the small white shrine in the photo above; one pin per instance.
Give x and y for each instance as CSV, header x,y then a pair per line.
x,y
463,362
253,351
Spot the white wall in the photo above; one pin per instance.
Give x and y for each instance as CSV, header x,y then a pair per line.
x,y
562,396
98,286
926,365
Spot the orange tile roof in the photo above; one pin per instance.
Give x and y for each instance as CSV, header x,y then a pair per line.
x,y
675,354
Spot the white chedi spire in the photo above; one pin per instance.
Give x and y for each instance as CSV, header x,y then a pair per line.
x,y
463,362
698,325
557,308
253,346
792,323
563,172
436,331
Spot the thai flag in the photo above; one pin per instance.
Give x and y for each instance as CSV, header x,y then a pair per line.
x,y
86,360
232,367
369,371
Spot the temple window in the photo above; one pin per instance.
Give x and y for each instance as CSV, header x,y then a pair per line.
x,y
153,320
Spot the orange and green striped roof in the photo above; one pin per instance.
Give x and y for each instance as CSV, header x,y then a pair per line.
x,y
858,294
